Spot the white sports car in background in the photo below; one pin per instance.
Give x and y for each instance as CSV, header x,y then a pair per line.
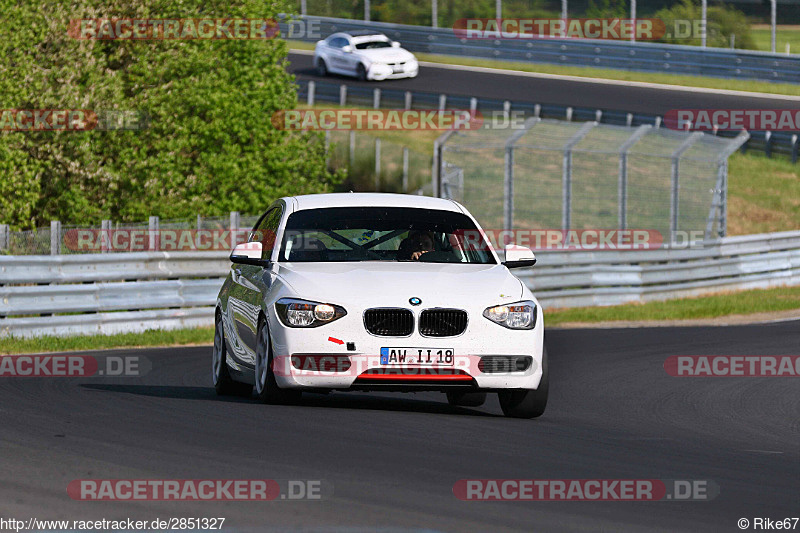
x,y
375,291
364,54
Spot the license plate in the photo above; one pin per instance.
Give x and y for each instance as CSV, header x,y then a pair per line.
x,y
417,356
398,68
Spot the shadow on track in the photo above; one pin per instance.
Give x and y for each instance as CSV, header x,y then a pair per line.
x,y
326,401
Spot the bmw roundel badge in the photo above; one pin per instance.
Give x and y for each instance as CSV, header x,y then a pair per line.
x,y
414,300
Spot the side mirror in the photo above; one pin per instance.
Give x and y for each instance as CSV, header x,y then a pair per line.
x,y
395,44
347,49
248,253
519,257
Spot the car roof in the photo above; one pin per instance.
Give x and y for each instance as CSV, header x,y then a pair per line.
x,y
363,33
371,199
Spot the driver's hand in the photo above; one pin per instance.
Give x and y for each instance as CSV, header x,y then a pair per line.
x,y
416,255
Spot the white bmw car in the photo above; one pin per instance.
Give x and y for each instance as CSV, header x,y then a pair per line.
x,y
364,54
369,291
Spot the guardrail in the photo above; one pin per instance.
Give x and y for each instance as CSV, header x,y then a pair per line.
x,y
771,143
132,292
644,57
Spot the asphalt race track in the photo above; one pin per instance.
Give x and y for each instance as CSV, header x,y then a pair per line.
x,y
551,91
392,459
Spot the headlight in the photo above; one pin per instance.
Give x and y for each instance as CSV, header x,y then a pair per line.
x,y
520,315
304,314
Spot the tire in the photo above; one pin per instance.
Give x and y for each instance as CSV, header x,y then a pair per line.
x,y
267,390
322,68
361,72
527,403
466,399
221,376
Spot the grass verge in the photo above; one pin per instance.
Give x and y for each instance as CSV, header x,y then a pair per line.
x,y
714,306
177,337
608,74
763,194
762,37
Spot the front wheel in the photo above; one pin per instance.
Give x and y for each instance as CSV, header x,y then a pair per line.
x,y
527,403
322,68
266,387
361,72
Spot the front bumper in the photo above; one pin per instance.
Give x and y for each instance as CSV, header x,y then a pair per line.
x,y
385,72
344,368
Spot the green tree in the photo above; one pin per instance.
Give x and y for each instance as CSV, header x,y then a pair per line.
x,y
722,22
209,147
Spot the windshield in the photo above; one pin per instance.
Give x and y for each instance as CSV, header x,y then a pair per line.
x,y
373,44
383,234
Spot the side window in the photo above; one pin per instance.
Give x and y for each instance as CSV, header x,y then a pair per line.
x,y
339,42
266,231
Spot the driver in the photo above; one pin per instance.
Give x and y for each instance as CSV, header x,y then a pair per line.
x,y
416,244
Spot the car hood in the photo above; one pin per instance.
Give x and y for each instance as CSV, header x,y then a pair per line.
x,y
391,284
386,55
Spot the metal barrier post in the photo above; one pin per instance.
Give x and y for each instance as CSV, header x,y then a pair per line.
x,y
408,99
55,237
405,169
311,89
566,174
352,148
376,98
377,164
4,237
342,95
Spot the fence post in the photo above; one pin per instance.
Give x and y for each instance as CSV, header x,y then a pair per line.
x,y
4,237
377,164
376,98
327,147
473,106
537,110
405,169
434,13
55,237
794,148
438,156
442,102
768,143
105,236
622,186
199,222
408,99
675,182
234,228
311,90
569,114
153,240
566,174
342,95
352,148
366,10
629,120
508,174
598,115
